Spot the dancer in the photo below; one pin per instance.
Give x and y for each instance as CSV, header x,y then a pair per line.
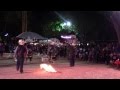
x,y
20,55
71,54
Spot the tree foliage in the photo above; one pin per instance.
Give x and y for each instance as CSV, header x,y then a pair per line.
x,y
56,28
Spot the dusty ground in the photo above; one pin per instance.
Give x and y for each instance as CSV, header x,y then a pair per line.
x,y
81,70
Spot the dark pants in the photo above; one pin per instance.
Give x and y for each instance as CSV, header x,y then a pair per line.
x,y
19,66
1,53
72,61
107,60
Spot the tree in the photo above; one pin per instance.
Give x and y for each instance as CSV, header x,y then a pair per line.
x,y
56,28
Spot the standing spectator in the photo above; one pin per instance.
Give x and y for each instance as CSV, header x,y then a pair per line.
x,y
29,53
1,49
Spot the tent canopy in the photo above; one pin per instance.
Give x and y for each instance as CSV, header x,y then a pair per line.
x,y
30,35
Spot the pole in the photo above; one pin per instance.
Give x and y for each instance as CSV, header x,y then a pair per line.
x,y
24,21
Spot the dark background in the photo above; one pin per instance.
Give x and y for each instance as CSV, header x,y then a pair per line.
x,y
92,25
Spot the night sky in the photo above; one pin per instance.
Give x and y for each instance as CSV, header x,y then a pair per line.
x,y
93,23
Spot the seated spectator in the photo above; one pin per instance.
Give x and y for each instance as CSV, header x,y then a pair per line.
x,y
114,57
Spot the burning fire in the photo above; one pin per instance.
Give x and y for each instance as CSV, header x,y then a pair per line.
x,y
47,68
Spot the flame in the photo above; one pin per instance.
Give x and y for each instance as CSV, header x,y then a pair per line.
x,y
47,68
